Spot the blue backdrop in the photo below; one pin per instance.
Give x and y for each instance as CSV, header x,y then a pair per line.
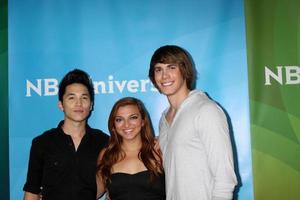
x,y
113,41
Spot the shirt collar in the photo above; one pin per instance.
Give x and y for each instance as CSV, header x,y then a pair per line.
x,y
60,130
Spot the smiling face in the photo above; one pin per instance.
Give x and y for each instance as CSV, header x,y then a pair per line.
x,y
76,103
169,79
128,122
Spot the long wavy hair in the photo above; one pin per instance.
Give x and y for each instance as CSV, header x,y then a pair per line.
x,y
114,153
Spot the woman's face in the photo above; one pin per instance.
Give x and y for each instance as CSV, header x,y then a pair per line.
x,y
128,122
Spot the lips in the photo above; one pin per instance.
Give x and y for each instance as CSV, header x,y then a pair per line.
x,y
78,111
165,84
127,131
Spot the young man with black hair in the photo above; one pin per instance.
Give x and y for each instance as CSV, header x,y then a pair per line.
x,y
193,132
62,162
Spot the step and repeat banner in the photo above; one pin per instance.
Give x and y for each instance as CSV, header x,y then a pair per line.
x,y
273,44
113,41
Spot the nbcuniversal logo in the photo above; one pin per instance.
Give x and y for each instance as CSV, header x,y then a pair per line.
x,y
284,75
49,86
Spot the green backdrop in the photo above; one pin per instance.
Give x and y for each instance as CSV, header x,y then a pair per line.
x,y
273,45
4,164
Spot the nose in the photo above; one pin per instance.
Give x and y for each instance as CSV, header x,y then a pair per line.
x,y
78,102
126,123
165,73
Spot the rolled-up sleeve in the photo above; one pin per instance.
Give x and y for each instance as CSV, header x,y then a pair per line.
x,y
35,169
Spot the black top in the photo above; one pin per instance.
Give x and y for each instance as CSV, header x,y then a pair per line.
x,y
59,172
137,186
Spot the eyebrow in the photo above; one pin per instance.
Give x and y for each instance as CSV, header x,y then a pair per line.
x,y
73,93
128,116
172,64
69,94
167,65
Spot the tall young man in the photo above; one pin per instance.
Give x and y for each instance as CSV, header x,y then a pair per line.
x,y
62,163
193,132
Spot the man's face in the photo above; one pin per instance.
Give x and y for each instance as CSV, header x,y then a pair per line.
x,y
169,79
76,103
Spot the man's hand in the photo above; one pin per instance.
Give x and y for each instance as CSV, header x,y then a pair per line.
x,y
31,196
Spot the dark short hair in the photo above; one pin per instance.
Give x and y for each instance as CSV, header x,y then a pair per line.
x,y
76,76
172,54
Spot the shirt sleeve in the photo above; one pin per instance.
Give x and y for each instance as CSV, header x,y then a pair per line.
x,y
213,131
35,169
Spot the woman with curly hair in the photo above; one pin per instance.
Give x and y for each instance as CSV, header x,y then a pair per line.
x,y
130,168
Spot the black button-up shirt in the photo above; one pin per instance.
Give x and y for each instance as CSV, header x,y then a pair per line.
x,y
57,171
